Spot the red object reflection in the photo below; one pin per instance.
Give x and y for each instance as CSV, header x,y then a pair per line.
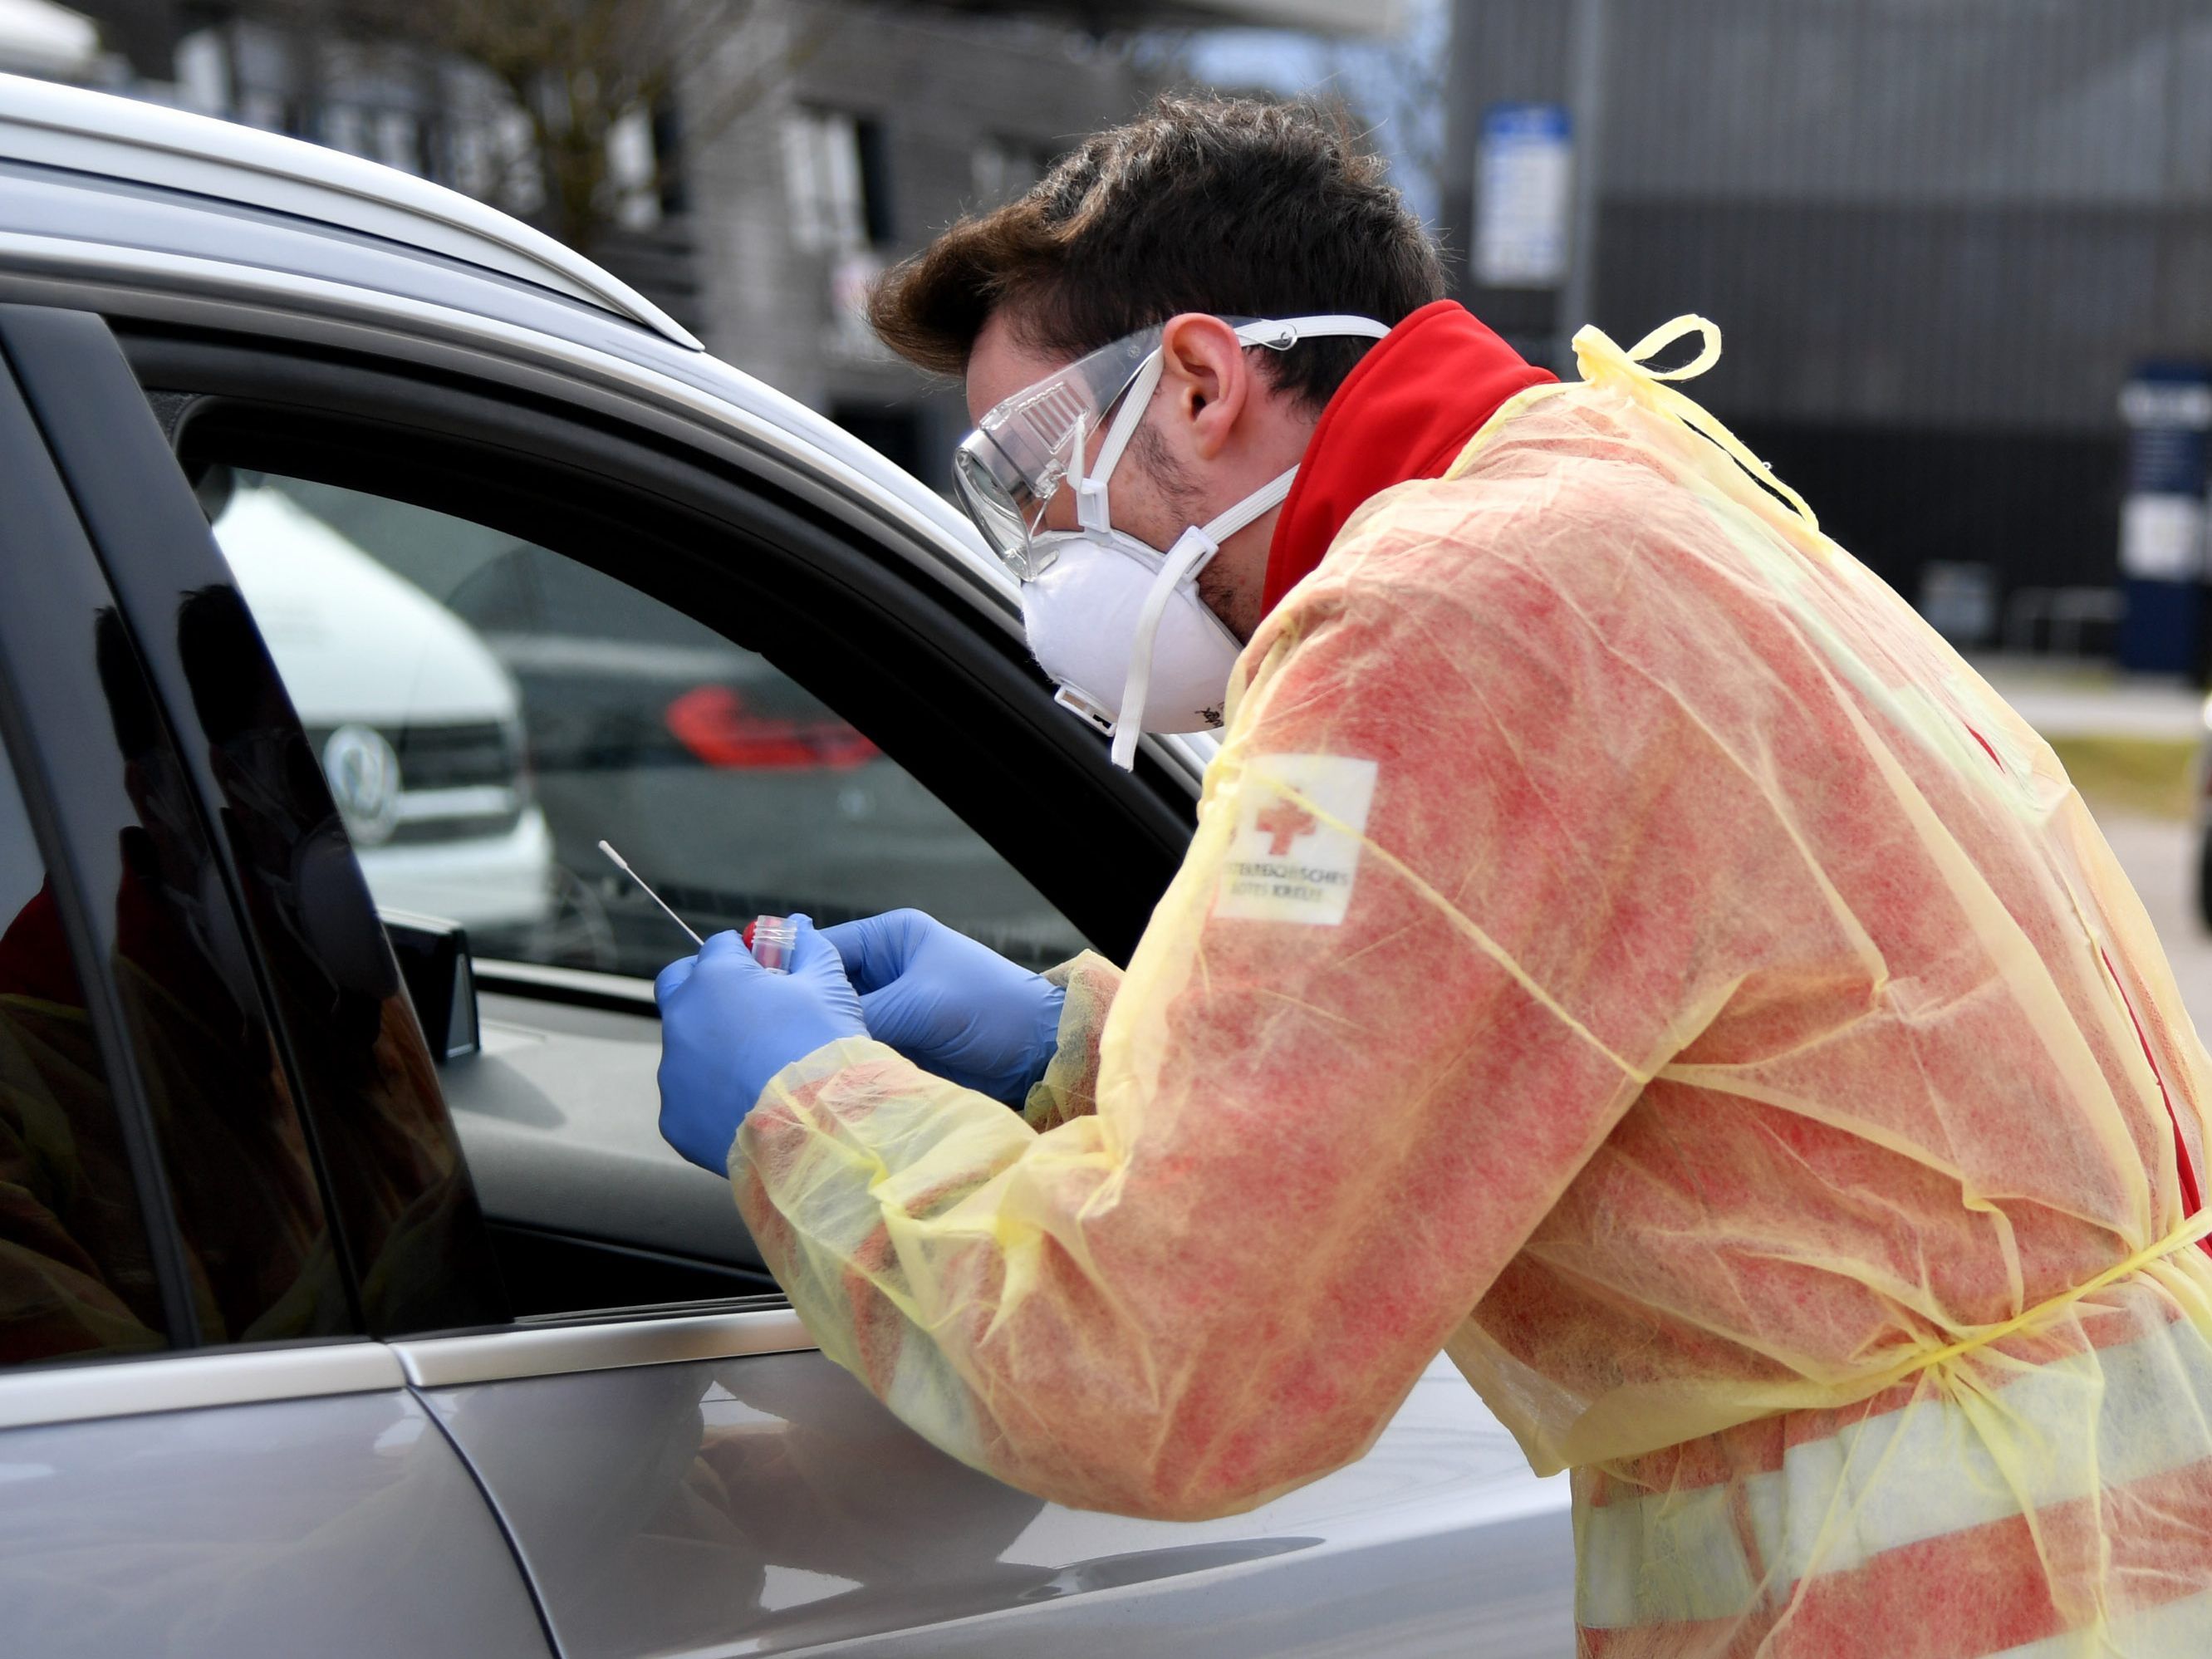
x,y
714,723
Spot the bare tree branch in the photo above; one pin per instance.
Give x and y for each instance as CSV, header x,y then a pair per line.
x,y
576,69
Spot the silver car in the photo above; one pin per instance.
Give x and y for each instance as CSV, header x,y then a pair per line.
x,y
350,1303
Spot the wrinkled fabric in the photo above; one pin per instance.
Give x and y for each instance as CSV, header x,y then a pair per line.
x,y
1624,946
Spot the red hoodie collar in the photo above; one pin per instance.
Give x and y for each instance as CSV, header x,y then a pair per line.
x,y
1404,412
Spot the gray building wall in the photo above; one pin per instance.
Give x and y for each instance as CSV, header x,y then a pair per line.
x,y
1936,234
1950,211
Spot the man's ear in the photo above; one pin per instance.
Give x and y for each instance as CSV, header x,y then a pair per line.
x,y
1206,380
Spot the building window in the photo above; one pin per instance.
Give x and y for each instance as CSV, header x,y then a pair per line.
x,y
667,149
835,169
491,152
203,73
873,143
633,170
395,138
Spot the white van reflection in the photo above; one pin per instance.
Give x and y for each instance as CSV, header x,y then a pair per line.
x,y
418,725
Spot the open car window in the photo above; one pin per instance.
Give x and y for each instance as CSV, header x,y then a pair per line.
x,y
510,629
488,710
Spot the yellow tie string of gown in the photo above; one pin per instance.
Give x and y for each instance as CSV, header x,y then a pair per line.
x,y
1602,360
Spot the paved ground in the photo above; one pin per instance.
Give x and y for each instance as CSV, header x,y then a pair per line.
x,y
2064,699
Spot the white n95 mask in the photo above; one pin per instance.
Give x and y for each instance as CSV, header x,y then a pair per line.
x,y
1121,627
1118,624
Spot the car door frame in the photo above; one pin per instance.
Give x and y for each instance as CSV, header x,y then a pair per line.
x,y
48,676
67,400
315,945
729,547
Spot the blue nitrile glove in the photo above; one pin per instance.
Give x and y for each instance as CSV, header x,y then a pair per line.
x,y
728,1026
949,1005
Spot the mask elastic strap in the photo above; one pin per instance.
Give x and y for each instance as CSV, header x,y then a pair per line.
x,y
1183,561
1090,512
1186,556
1265,499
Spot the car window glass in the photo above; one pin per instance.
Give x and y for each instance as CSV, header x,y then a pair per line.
x,y
488,710
76,1275
254,1236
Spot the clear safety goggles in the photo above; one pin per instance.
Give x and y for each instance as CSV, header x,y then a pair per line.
x,y
1007,470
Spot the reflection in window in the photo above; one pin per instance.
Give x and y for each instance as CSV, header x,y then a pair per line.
x,y
76,1275
256,1250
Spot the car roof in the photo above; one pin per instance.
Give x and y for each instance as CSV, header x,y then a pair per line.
x,y
145,196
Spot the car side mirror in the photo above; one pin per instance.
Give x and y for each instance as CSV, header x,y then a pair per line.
x,y
441,983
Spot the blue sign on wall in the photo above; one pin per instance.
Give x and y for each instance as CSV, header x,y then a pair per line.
x,y
1524,195
2168,410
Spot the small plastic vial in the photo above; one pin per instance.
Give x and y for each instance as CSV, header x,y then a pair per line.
x,y
773,940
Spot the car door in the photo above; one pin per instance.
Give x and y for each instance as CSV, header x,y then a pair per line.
x,y
765,714
203,1451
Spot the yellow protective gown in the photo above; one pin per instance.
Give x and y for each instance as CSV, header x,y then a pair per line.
x,y
1624,947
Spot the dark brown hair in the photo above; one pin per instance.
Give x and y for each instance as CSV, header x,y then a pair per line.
x,y
1229,205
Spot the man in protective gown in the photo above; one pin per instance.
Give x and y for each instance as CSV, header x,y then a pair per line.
x,y
1699,1005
